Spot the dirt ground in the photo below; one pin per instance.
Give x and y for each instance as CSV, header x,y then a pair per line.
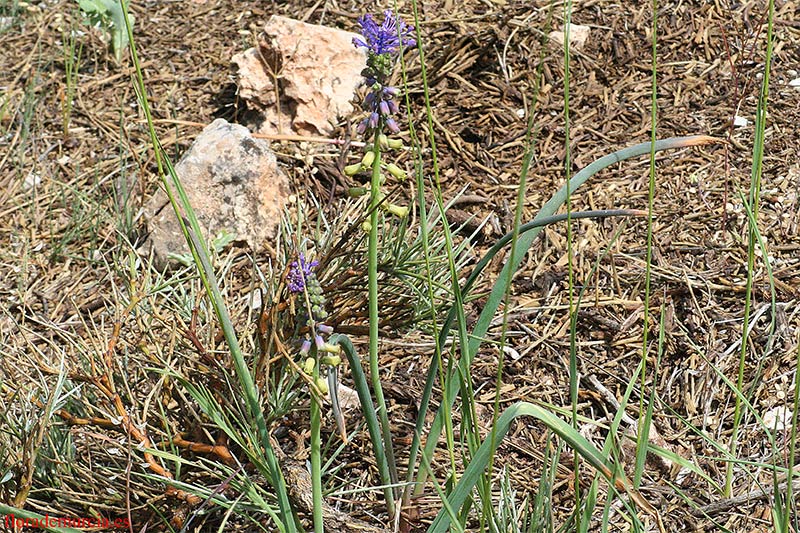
x,y
482,60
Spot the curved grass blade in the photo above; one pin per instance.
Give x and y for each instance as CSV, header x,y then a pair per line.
x,y
578,442
368,408
498,290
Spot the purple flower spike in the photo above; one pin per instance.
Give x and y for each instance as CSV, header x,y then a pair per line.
x,y
319,341
299,271
388,38
385,108
323,328
392,125
373,120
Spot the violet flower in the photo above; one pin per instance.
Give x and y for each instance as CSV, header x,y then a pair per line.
x,y
388,38
299,272
383,43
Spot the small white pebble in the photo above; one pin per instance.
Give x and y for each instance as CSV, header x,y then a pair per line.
x,y
511,352
778,418
740,121
32,180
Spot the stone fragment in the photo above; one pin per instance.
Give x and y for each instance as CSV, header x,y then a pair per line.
x,y
578,35
316,69
348,398
234,185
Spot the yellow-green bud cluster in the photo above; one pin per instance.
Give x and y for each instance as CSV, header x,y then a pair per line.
x,y
391,168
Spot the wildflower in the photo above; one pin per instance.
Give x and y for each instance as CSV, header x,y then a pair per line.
x,y
322,385
383,44
299,273
391,123
369,157
352,170
319,341
306,347
332,360
395,144
388,38
331,348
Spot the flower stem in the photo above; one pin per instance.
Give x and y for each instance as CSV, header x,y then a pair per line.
x,y
316,459
372,265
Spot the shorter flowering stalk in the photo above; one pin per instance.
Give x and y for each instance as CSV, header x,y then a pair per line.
x,y
303,280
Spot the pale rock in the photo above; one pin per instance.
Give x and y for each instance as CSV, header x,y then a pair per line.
x,y
32,180
234,185
578,35
659,461
778,418
348,398
317,70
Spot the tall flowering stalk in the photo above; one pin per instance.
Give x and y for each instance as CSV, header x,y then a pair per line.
x,y
383,43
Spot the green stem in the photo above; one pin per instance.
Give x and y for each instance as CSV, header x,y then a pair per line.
x,y
374,370
316,454
642,429
573,315
754,198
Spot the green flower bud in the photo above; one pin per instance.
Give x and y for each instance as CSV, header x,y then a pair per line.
x,y
397,211
395,144
331,348
332,360
355,192
352,170
396,171
383,140
322,385
368,159
366,226
308,367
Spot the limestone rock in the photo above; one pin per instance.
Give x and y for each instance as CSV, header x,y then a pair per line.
x,y
578,35
316,68
234,185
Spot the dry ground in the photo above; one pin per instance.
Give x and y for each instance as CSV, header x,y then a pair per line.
x,y
58,240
